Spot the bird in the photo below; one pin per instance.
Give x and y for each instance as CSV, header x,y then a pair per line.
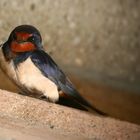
x,y
24,60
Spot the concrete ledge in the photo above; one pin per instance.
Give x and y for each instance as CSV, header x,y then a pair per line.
x,y
24,117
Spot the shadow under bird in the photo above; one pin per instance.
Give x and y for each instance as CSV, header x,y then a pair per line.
x,y
25,62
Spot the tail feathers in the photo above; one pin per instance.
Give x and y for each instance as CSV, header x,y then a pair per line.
x,y
66,101
77,101
70,92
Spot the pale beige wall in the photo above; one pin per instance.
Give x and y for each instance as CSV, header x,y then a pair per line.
x,y
97,35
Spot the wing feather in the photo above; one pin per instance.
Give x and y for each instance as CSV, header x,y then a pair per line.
x,y
51,70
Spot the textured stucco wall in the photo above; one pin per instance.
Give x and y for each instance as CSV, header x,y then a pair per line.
x,y
27,118
84,32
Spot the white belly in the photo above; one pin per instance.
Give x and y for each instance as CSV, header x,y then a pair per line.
x,y
27,75
32,78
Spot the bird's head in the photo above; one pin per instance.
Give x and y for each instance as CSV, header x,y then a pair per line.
x,y
24,38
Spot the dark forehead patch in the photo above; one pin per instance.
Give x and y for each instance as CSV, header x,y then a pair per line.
x,y
24,31
26,28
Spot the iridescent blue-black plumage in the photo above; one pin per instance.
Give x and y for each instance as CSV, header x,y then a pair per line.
x,y
51,70
41,60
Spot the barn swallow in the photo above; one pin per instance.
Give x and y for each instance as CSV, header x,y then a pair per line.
x,y
26,63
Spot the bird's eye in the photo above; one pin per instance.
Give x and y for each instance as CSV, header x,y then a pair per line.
x,y
34,38
31,39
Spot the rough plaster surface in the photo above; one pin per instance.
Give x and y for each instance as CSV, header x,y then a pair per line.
x,y
22,117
